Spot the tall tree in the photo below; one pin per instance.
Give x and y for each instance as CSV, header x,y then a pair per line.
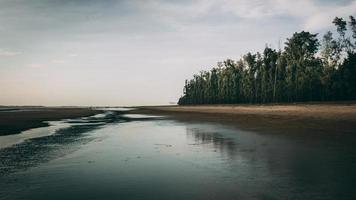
x,y
297,73
300,50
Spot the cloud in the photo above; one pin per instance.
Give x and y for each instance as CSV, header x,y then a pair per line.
x,y
8,53
105,44
58,61
324,17
73,55
312,14
37,66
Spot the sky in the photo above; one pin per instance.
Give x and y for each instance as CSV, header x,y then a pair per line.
x,y
137,52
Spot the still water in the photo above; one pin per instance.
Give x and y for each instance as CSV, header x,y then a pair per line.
x,y
138,157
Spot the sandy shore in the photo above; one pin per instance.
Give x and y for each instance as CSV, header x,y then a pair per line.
x,y
325,117
16,119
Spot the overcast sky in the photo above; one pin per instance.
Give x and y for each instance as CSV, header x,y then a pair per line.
x,y
137,52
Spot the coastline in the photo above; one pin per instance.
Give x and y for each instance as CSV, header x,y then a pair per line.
x,y
292,118
17,119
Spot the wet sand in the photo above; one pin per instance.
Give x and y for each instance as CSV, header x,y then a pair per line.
x,y
13,120
140,157
290,118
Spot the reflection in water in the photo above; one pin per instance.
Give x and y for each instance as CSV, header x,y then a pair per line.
x,y
164,159
282,166
219,142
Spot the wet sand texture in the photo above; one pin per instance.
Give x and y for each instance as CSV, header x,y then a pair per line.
x,y
337,117
14,121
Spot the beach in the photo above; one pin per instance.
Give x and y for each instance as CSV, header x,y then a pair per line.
x,y
191,155
291,118
13,120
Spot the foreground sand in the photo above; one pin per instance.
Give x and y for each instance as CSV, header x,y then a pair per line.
x,y
326,117
16,119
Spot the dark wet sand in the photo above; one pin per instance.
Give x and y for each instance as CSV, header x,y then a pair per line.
x,y
134,158
284,118
13,120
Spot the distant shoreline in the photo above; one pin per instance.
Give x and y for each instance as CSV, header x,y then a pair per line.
x,y
14,120
307,117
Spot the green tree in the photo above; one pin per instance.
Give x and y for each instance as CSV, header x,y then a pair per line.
x,y
300,50
297,73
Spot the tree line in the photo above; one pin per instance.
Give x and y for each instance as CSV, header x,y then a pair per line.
x,y
305,70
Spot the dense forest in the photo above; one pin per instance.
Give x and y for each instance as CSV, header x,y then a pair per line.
x,y
306,70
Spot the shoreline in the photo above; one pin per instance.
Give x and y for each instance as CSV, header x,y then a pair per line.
x,y
14,121
292,118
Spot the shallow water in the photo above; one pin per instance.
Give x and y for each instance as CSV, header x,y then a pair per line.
x,y
159,158
10,140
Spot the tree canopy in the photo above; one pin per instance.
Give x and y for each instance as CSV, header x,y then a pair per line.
x,y
305,70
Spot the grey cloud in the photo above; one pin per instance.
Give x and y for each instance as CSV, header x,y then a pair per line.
x,y
8,53
133,42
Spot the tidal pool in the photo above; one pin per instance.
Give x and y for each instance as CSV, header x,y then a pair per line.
x,y
159,158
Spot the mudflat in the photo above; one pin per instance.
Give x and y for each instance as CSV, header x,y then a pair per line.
x,y
316,117
13,120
